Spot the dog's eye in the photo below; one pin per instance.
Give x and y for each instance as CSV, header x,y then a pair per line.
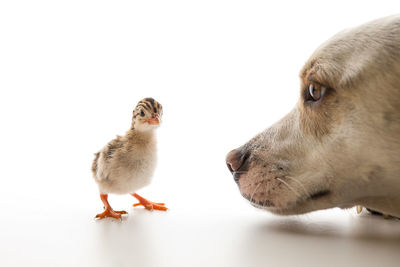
x,y
315,92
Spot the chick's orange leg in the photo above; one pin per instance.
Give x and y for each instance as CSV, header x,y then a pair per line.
x,y
148,204
108,211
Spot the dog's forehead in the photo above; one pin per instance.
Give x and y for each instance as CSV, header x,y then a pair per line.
x,y
328,63
345,57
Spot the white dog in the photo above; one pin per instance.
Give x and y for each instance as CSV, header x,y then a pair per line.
x,y
340,146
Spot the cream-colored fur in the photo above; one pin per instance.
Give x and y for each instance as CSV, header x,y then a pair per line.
x,y
344,150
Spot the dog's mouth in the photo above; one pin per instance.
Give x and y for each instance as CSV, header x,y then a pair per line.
x,y
319,194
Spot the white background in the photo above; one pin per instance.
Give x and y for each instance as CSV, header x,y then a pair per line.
x,y
71,73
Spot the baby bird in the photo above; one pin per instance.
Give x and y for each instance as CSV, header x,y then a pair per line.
x,y
127,163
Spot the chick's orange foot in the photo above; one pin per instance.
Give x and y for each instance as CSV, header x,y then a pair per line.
x,y
110,213
148,205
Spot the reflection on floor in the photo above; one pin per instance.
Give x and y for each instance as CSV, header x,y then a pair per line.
x,y
186,238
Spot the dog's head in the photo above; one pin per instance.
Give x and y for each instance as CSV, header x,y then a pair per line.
x,y
340,146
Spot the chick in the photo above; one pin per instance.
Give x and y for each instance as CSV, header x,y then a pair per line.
x,y
127,163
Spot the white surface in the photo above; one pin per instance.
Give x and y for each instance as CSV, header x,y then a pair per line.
x,y
55,236
71,73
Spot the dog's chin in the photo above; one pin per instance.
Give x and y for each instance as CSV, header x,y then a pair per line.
x,y
303,204
302,207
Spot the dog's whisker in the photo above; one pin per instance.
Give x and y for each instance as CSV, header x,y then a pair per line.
x,y
252,195
265,200
288,186
305,190
255,183
299,183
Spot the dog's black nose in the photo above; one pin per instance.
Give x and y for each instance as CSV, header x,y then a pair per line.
x,y
236,162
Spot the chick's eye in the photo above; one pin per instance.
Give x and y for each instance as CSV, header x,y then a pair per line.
x,y
142,113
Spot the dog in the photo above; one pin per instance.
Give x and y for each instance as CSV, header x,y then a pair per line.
x,y
340,145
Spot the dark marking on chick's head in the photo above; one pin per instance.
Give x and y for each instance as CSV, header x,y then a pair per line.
x,y
149,99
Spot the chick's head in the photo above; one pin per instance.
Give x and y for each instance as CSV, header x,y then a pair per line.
x,y
147,115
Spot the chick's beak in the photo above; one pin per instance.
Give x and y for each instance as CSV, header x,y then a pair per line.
x,y
155,120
